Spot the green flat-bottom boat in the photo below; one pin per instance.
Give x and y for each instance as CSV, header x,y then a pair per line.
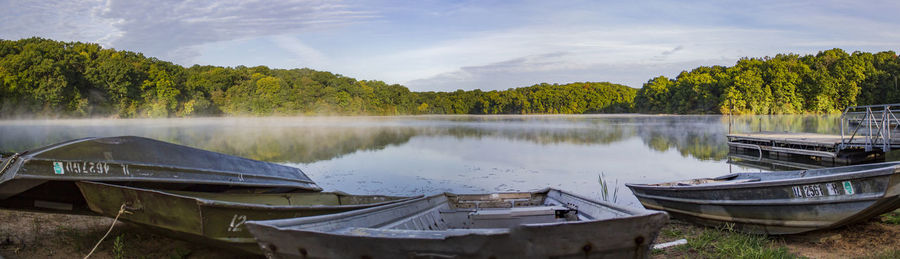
x,y
42,179
217,218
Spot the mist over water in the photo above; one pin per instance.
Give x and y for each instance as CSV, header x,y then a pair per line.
x,y
410,155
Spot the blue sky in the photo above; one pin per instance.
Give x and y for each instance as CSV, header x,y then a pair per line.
x,y
449,45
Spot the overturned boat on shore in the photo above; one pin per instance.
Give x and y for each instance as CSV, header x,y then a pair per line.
x,y
785,202
44,179
217,218
548,223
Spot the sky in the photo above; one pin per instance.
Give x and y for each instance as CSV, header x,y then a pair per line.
x,y
449,45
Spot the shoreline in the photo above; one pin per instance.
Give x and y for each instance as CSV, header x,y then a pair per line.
x,y
32,234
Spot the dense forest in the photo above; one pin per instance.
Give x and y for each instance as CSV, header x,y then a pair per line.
x,y
40,77
785,84
46,78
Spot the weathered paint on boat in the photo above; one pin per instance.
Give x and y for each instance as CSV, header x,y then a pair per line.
x,y
785,202
549,223
217,218
42,179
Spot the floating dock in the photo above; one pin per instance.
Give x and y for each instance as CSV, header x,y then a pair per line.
x,y
754,160
867,133
785,144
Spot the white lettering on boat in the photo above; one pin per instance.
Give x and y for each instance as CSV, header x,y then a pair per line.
x,y
808,191
831,189
81,167
236,222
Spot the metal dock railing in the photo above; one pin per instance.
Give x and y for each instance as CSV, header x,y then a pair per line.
x,y
877,123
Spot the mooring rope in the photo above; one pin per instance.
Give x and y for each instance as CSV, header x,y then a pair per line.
x,y
9,162
121,211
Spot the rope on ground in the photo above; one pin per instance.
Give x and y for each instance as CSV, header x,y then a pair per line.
x,y
121,211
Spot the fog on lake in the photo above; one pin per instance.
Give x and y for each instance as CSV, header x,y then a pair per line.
x,y
410,155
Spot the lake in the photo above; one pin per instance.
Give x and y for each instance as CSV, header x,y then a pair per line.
x,y
409,155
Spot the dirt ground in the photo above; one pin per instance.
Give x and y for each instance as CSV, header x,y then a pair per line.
x,y
42,235
867,239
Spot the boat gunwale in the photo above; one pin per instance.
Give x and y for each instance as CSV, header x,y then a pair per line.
x,y
39,150
247,205
30,155
167,180
201,170
290,224
766,202
884,170
624,209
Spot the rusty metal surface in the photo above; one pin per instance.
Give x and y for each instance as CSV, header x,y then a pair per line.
x,y
786,202
47,174
548,223
217,218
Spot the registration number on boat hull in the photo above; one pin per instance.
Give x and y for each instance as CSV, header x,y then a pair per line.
x,y
816,190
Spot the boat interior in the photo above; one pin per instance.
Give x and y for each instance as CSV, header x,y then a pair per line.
x,y
457,215
448,215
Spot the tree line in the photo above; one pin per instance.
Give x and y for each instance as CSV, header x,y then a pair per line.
x,y
826,82
44,78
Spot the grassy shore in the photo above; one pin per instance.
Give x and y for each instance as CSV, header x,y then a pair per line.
x,y
31,235
875,238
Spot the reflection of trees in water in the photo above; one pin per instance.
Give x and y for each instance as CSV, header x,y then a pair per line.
x,y
541,129
575,136
701,137
324,139
300,145
308,140
823,124
276,144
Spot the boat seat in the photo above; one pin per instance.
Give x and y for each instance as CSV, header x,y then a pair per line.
x,y
516,212
424,234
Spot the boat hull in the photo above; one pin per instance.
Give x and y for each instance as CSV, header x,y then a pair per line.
x,y
216,218
43,179
783,206
423,228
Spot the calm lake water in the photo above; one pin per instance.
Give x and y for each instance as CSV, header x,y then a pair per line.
x,y
411,155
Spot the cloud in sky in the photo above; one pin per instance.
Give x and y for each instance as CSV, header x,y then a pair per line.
x,y
448,45
168,28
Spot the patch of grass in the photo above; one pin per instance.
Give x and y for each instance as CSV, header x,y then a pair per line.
x,y
724,242
671,232
604,189
892,217
119,247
